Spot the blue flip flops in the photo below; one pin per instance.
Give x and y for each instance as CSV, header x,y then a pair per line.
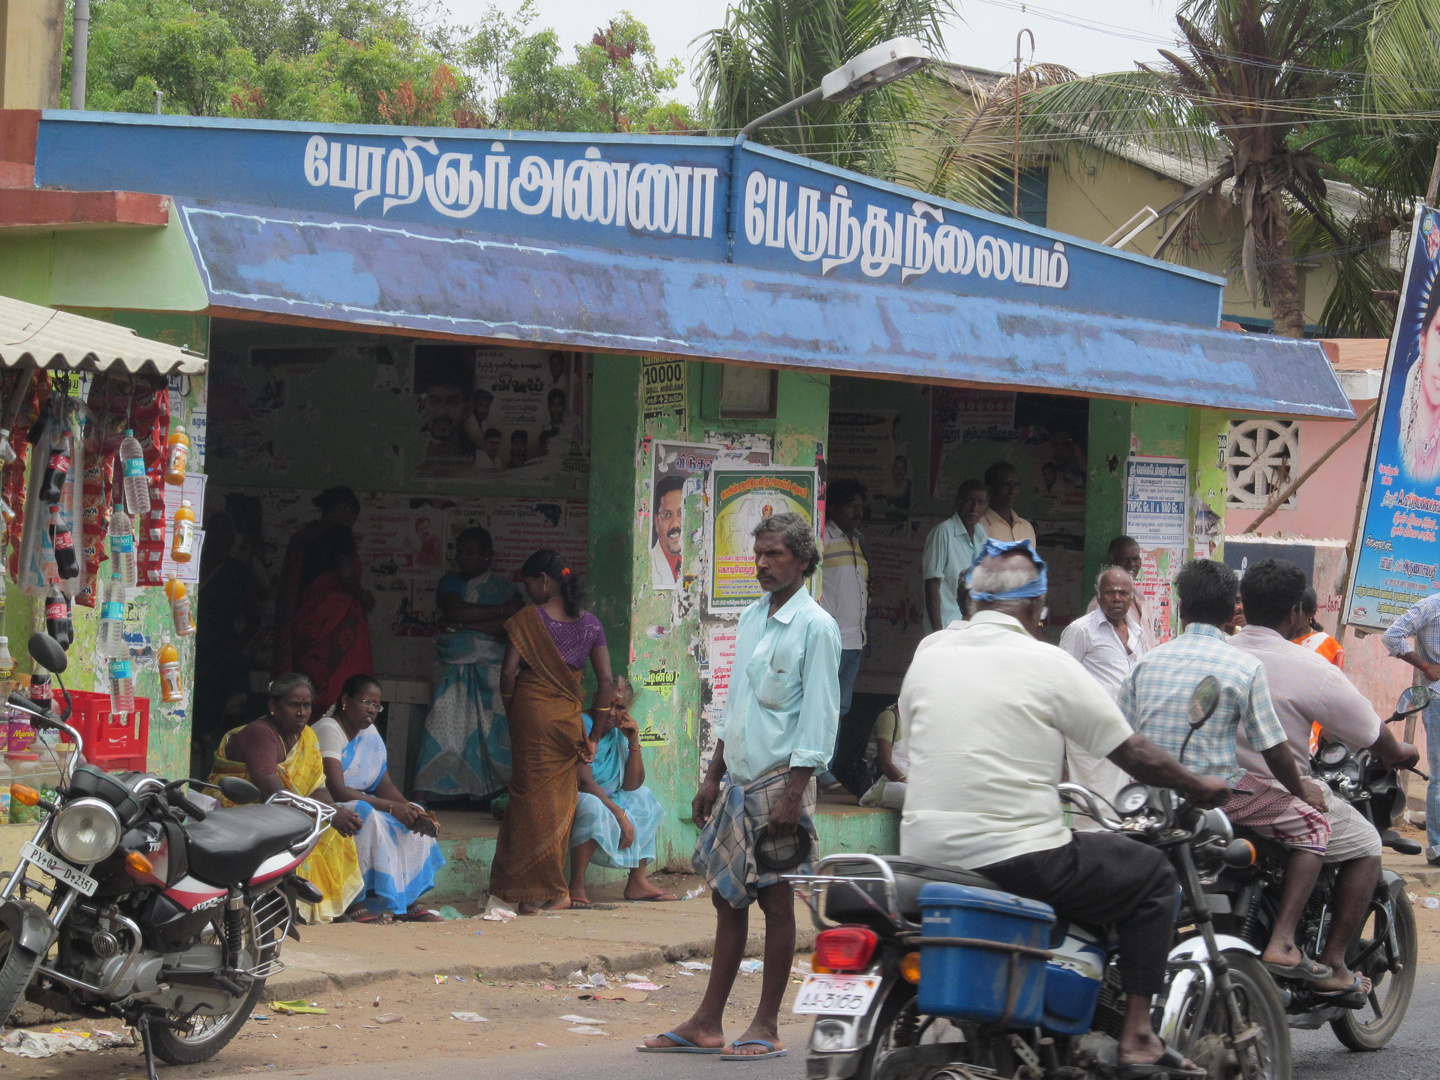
x,y
682,1046
771,1052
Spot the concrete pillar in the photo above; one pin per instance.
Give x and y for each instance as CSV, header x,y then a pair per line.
x,y
32,34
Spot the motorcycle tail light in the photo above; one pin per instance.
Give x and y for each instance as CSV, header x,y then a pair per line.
x,y
137,865
26,796
910,968
845,948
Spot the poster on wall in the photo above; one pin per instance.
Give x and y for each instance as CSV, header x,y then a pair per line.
x,y
664,387
863,447
960,415
715,684
1396,549
897,602
679,470
1156,515
502,415
740,499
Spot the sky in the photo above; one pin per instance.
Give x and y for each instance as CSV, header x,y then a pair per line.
x,y
1089,36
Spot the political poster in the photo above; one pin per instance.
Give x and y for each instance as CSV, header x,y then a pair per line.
x,y
664,386
680,470
1395,550
740,499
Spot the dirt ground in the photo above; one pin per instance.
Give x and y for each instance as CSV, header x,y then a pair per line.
x,y
520,1017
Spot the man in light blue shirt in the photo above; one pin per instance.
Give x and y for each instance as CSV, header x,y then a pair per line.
x,y
777,731
1422,622
950,551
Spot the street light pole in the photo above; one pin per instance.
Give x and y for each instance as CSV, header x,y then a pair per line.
x,y
870,70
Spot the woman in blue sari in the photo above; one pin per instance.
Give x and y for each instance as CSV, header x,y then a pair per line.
x,y
396,843
617,816
465,750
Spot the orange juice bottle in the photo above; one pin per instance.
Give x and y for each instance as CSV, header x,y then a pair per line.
x,y
177,456
169,661
182,547
179,608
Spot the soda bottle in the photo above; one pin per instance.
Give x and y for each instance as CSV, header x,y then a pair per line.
x,y
182,547
7,513
41,696
7,669
122,546
57,616
110,636
171,689
132,468
177,457
122,685
179,608
63,541
2,599
7,452
57,467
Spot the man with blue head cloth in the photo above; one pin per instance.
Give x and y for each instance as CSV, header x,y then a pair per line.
x,y
986,708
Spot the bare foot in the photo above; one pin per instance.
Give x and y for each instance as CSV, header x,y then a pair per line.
x,y
1342,981
558,904
697,1032
651,893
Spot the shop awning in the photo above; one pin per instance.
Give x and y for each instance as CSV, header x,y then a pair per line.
x,y
289,265
32,335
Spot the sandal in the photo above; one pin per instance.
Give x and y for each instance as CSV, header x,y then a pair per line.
x,y
1170,1063
1306,970
378,918
579,905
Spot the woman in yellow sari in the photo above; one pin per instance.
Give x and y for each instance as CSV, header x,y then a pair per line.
x,y
279,752
540,684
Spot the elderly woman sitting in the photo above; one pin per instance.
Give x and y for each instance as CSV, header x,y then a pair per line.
x,y
617,817
396,844
279,752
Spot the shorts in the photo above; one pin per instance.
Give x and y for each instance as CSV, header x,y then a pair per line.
x,y
1351,836
1275,814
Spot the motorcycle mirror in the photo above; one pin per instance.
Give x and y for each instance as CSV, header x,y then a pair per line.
x,y
1204,701
239,790
1413,699
46,652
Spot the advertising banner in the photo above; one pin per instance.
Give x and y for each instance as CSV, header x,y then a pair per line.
x,y
1395,550
742,498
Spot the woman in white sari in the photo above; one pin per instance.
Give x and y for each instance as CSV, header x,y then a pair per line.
x,y
396,843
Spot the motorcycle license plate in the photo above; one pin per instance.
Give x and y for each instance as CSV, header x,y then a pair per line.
x,y
836,995
59,869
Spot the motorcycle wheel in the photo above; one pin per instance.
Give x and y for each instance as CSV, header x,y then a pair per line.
x,y
1393,981
202,1037
1260,1004
898,1028
15,974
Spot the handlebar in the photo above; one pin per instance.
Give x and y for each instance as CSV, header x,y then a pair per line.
x,y
1083,797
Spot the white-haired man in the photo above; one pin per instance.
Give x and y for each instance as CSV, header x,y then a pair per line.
x,y
1108,642
983,783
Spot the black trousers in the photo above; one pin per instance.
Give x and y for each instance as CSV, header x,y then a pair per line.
x,y
1108,879
849,765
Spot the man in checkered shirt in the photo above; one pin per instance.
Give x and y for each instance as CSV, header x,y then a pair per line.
x,y
1155,698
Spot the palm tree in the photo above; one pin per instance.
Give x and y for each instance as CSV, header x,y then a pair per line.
x,y
770,52
1242,94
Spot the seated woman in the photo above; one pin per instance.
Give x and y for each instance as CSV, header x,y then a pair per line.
x,y
892,760
466,746
396,844
617,817
279,752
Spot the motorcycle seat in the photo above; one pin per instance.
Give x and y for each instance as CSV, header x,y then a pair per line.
x,y
230,845
842,904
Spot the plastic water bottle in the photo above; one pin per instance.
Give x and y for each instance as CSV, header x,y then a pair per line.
x,y
62,540
179,608
122,686
7,452
132,468
177,457
110,636
7,668
168,658
57,616
122,546
57,468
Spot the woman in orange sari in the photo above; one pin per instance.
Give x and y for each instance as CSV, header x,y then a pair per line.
x,y
540,684
321,628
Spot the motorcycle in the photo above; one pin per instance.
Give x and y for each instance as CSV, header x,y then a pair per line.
x,y
1386,947
896,995
157,911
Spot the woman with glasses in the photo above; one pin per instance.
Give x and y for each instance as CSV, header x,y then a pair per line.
x,y
396,843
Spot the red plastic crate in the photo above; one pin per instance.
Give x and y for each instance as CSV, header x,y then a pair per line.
x,y
115,742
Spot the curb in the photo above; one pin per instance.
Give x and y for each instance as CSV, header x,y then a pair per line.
x,y
295,982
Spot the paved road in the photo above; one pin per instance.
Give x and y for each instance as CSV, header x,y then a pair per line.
x,y
1318,1056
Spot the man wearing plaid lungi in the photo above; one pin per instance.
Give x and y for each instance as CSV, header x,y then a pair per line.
x,y
777,731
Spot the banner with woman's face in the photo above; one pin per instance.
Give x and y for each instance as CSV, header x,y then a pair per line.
x,y
1397,546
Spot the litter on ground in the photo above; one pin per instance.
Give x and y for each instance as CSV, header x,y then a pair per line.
x,y
469,1017
44,1044
694,965
752,967
297,1007
571,1018
585,1029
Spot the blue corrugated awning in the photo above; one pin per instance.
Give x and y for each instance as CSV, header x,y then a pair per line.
x,y
473,285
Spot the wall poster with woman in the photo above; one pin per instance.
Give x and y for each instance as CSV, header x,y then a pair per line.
x,y
1396,543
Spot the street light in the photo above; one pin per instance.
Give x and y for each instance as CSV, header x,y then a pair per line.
x,y
870,70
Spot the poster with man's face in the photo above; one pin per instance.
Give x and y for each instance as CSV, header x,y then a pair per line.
x,y
680,470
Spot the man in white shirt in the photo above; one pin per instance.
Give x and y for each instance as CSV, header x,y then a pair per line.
x,y
1306,689
1108,642
1001,521
950,552
983,781
1124,552
845,594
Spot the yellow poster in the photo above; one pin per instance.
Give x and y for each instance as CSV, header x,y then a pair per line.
x,y
742,498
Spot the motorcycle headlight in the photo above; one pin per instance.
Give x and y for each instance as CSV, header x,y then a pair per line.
x,y
85,831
